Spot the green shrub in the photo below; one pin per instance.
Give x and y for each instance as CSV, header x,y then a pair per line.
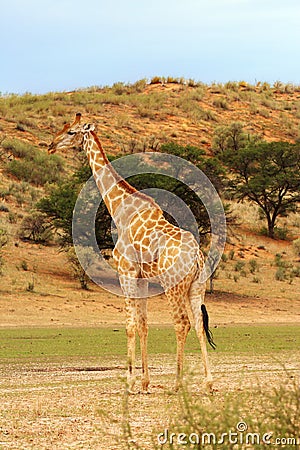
x,y
21,191
19,149
157,80
20,127
119,88
285,269
278,260
295,271
77,269
30,285
189,104
3,242
3,237
264,113
231,255
281,274
12,217
281,233
1,265
253,265
36,228
208,115
239,266
236,420
224,257
220,103
37,169
231,85
4,208
296,246
24,265
256,280
138,86
32,165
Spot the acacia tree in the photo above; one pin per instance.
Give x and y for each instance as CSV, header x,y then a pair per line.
x,y
232,137
59,206
200,221
267,174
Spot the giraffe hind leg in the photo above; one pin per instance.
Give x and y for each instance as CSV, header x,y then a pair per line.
x,y
130,309
177,301
196,298
142,328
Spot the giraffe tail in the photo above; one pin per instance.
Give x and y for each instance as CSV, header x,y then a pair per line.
x,y
208,333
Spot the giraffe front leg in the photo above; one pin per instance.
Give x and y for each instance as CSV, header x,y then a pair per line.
x,y
128,283
136,290
130,309
142,327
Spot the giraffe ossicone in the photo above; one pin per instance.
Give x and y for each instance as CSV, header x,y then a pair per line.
x,y
147,247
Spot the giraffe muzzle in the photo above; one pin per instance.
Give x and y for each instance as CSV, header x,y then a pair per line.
x,y
51,148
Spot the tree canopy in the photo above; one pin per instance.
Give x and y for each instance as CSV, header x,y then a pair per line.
x,y
268,174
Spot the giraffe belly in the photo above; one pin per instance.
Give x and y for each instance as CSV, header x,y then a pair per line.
x,y
171,266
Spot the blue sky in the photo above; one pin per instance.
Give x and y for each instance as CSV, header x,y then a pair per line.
x,y
55,45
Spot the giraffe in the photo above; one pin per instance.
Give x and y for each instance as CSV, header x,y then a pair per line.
x,y
147,247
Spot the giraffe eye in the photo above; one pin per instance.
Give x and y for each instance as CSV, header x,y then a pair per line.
x,y
71,133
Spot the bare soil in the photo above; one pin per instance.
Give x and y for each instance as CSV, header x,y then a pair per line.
x,y
57,299
85,406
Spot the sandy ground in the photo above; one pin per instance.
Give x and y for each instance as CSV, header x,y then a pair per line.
x,y
82,404
96,307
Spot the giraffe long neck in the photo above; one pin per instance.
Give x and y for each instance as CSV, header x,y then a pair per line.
x,y
113,188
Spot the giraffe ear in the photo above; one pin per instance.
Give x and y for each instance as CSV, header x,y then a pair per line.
x,y
89,127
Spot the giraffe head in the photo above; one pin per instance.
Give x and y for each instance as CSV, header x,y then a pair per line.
x,y
71,135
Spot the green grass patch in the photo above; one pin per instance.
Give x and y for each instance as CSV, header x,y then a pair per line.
x,y
88,342
251,419
65,342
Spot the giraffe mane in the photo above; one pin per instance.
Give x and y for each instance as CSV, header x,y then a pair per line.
x,y
122,182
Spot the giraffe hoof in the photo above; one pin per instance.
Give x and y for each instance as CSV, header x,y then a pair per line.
x,y
178,386
130,391
145,386
209,386
130,388
145,391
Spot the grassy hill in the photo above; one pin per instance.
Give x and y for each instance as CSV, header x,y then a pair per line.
x,y
164,109
132,118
